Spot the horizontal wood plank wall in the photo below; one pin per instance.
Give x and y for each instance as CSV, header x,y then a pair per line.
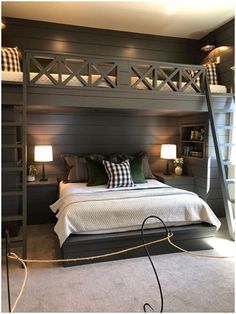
x,y
224,40
99,132
205,171
82,40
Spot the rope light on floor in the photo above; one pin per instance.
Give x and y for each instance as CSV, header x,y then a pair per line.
x,y
13,256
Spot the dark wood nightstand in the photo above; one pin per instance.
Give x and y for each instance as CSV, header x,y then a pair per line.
x,y
181,182
40,195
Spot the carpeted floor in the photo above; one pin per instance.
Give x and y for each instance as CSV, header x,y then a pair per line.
x,y
190,284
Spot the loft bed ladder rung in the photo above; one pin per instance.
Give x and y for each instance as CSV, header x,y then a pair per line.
x,y
220,161
7,218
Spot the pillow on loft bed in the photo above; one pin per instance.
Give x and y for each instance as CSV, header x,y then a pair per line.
x,y
119,175
10,59
211,73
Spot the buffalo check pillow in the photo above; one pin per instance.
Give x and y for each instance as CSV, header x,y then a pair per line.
x,y
211,73
10,59
119,175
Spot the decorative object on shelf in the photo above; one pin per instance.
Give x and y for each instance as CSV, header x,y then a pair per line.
x,y
178,171
32,171
168,151
178,163
43,153
201,136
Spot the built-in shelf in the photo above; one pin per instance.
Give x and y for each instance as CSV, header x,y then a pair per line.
x,y
193,140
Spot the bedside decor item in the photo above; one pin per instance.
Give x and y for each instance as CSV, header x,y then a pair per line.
x,y
178,163
32,171
168,151
43,153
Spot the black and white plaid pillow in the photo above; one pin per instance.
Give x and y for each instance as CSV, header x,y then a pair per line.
x,y
10,59
119,175
211,73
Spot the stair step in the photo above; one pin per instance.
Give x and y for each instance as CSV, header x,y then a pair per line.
x,y
12,146
228,162
12,169
12,218
12,124
230,181
224,110
227,144
226,127
13,193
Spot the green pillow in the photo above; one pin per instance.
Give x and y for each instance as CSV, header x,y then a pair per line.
x,y
136,169
96,172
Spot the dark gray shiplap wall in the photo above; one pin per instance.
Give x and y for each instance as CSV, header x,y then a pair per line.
x,y
223,37
82,40
100,132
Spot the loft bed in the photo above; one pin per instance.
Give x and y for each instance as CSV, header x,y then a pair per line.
x,y
66,80
54,81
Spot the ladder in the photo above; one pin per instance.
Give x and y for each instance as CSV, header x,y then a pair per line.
x,y
223,163
14,174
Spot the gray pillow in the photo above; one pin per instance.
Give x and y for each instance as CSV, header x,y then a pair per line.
x,y
77,170
76,167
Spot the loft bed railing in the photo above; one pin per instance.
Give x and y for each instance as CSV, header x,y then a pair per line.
x,y
92,72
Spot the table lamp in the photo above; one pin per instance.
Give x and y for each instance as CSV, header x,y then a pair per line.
x,y
168,151
43,153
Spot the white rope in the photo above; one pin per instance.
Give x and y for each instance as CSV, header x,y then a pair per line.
x,y
90,257
14,256
24,281
196,254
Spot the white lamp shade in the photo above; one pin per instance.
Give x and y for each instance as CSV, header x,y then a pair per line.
x,y
168,151
43,153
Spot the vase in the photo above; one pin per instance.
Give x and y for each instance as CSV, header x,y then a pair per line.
x,y
30,178
178,171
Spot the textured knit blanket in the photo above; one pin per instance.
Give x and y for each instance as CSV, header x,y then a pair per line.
x,y
111,211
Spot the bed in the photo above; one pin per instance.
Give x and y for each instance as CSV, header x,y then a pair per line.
x,y
96,220
60,80
98,81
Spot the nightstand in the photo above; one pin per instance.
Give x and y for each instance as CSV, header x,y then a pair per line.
x,y
181,182
40,195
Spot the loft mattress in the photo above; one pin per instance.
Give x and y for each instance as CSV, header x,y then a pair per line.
x,y
88,210
44,80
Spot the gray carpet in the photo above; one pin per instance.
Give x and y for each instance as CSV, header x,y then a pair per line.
x,y
190,284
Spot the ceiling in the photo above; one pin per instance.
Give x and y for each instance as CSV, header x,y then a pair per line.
x,y
178,18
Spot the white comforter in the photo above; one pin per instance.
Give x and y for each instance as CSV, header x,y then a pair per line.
x,y
103,210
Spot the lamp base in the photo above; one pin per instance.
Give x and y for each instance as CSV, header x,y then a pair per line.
x,y
43,175
167,173
43,179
